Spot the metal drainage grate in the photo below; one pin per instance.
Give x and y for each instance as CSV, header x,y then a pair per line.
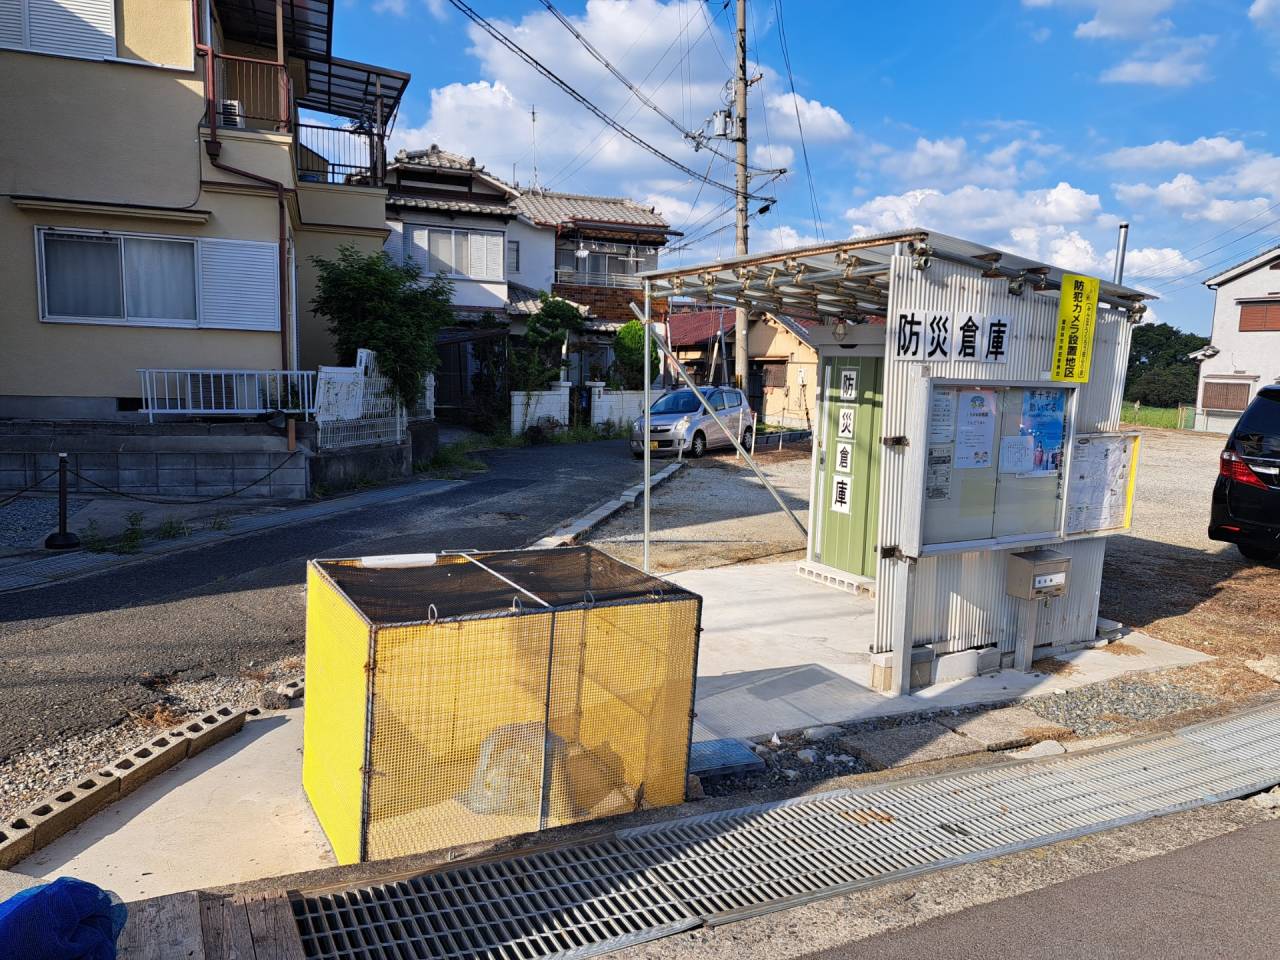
x,y
722,758
648,882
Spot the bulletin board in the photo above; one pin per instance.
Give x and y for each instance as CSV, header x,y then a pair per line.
x,y
995,463
1100,485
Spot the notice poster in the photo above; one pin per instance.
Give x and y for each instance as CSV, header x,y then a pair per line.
x,y
942,415
1017,455
975,429
1077,316
1043,431
1100,489
844,458
937,481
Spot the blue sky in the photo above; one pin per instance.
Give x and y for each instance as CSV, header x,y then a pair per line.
x,y
1033,125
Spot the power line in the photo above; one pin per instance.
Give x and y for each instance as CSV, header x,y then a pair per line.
x,y
1167,271
795,103
519,51
1182,281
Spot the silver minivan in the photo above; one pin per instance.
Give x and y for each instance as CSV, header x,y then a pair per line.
x,y
679,423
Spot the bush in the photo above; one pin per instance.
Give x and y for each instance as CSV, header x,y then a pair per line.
x,y
373,302
535,357
628,352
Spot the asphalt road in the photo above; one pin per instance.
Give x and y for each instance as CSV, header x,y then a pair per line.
x,y
1217,898
75,657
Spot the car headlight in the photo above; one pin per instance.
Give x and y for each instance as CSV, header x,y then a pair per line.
x,y
682,425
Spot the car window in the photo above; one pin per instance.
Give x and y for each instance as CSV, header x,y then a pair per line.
x,y
1258,432
717,399
682,401
735,398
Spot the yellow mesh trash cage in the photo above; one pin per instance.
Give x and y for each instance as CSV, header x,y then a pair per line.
x,y
463,697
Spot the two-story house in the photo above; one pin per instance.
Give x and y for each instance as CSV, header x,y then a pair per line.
x,y
1244,348
502,245
167,169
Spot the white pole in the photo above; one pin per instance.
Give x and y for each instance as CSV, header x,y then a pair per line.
x,y
647,418
1122,243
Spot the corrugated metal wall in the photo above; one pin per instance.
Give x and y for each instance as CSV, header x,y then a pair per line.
x,y
958,601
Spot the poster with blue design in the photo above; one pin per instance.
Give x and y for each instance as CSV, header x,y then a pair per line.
x,y
1038,449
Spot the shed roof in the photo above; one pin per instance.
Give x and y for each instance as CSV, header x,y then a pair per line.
x,y
696,327
848,277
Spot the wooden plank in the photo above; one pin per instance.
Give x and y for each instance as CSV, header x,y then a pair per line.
x,y
163,928
227,936
275,932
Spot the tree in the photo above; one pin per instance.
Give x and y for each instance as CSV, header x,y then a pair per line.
x,y
628,354
535,357
371,301
1159,374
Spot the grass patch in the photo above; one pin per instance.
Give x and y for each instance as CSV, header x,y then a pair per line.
x,y
172,529
453,461
1166,417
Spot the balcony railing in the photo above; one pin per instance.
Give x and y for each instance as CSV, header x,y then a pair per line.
x,y
339,155
584,278
260,88
228,393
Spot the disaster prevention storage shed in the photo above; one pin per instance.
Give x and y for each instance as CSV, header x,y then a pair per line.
x,y
462,697
968,425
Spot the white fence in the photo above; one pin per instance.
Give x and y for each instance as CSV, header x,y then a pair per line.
x,y
539,406
618,407
226,392
357,406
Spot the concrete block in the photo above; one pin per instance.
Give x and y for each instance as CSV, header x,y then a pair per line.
x,y
17,841
293,690
68,809
1003,729
922,660
215,475
213,489
138,766
175,461
213,727
259,462
988,661
14,479
107,476
1006,660
912,743
145,479
222,461
168,479
137,461
1045,748
956,666
13,461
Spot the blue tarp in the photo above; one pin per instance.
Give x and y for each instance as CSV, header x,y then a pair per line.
x,y
64,920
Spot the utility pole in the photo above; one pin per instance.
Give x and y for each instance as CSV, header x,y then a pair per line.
x,y
740,361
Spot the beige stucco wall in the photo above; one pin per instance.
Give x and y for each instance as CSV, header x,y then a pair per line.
x,y
315,346
99,360
794,404
157,31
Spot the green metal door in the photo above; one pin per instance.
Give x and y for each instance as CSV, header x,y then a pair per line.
x,y
847,494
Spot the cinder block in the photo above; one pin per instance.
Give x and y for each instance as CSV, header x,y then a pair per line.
x,y
13,461
214,475
956,666
175,461
145,479
213,727
137,767
17,841
293,690
168,478
989,660
221,461
137,461
213,489
921,666
260,462
66,810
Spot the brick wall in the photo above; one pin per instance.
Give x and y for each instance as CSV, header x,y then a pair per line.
x,y
608,303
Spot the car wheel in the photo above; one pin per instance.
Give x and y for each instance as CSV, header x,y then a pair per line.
x,y
746,438
699,445
1257,554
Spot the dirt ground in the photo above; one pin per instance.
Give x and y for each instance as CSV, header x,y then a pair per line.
x,y
1168,579
715,512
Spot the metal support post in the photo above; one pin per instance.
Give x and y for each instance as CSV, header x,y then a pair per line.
x,y
63,539
648,339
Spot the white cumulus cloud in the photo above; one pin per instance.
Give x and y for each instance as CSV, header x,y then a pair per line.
x,y
821,122
1168,62
1170,153
974,211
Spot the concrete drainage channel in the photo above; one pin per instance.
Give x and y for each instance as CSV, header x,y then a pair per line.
x,y
581,900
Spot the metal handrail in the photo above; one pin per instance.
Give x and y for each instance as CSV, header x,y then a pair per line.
x,y
586,278
262,87
231,393
339,155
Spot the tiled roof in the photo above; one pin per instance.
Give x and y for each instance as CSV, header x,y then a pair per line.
x,y
800,327
526,301
696,327
547,207
438,159
449,206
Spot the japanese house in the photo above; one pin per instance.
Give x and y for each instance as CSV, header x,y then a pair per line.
x,y
1244,348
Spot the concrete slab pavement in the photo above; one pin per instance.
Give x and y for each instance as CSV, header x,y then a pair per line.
x,y
780,653
236,812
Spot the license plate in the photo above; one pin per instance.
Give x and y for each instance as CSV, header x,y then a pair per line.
x,y
653,444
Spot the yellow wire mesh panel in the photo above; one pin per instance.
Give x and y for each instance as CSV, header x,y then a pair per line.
x,y
334,713
458,732
619,709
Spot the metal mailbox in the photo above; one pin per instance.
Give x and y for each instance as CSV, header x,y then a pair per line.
x,y
1037,574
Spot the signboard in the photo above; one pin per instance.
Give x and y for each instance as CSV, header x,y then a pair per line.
x,y
941,337
848,386
339,393
844,458
1077,316
1100,487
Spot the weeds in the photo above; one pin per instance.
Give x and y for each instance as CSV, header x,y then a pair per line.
x,y
91,538
452,461
219,522
131,540
173,528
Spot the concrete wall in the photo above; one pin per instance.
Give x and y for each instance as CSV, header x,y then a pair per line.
x,y
529,408
619,407
795,404
1252,358
155,31
537,255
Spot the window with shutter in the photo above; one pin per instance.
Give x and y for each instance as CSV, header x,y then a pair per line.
x,y
82,28
1260,316
1225,395
239,285
13,23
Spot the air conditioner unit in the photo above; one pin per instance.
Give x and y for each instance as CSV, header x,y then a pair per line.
x,y
231,114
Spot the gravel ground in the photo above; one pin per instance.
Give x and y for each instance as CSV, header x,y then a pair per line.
x,y
28,778
1114,705
27,519
715,512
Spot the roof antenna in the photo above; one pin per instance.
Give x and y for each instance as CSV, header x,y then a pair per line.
x,y
533,121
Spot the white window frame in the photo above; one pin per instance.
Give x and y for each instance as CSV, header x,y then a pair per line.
x,y
26,45
407,242
506,263
199,323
